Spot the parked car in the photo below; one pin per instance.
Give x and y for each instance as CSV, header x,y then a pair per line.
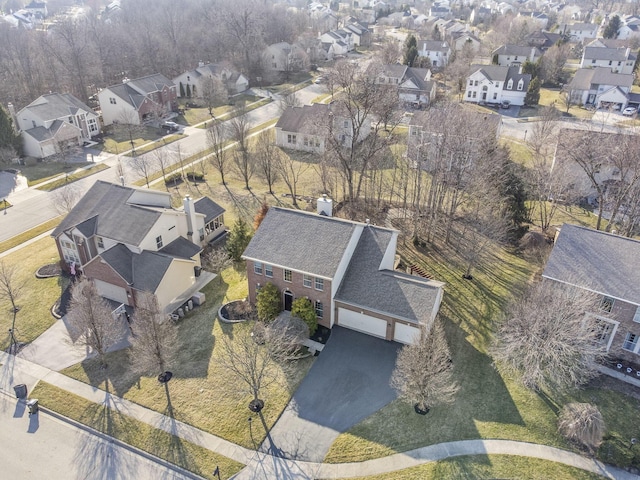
x,y
318,80
171,126
505,104
629,111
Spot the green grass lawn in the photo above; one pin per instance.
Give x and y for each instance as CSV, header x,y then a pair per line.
x,y
38,295
38,172
202,392
72,177
489,467
117,139
116,424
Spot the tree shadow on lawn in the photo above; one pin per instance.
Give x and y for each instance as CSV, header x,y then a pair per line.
x,y
118,374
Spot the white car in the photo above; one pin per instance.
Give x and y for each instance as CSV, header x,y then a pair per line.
x,y
629,111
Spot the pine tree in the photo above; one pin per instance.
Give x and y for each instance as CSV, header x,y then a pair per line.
x,y
9,139
611,30
410,50
188,90
238,239
533,92
182,94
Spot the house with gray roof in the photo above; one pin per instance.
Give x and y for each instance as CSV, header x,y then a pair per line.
x,y
345,268
608,266
619,60
55,122
515,55
129,240
579,32
195,80
414,85
494,84
600,87
138,101
437,51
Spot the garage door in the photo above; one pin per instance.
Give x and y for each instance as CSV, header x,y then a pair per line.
x,y
406,333
112,292
362,323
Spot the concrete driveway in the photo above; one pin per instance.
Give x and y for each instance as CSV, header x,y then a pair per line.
x,y
348,382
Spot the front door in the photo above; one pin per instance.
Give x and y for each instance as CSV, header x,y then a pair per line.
x,y
288,300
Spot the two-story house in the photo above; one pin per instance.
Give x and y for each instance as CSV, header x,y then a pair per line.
x,y
195,79
54,121
515,55
138,101
129,240
341,41
619,60
438,52
360,33
307,128
600,87
345,268
495,84
606,265
414,85
284,57
579,32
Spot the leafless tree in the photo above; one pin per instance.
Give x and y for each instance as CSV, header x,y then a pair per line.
x,y
161,160
582,423
290,171
213,93
11,290
390,52
267,157
216,260
90,318
242,159
217,135
66,197
142,165
553,62
548,339
423,375
155,343
288,100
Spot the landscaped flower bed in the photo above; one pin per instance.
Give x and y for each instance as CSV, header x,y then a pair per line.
x,y
235,311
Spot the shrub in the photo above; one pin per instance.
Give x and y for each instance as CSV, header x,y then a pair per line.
x,y
195,176
582,423
268,302
304,310
173,179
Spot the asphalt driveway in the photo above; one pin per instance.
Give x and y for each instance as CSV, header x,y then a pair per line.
x,y
348,382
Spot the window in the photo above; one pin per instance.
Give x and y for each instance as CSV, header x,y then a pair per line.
x,y
268,271
510,84
287,275
593,61
306,141
469,94
516,59
470,83
495,96
474,94
112,100
100,242
630,342
606,305
345,124
291,139
306,281
520,84
159,241
604,330
201,233
485,88
319,283
258,287
257,268
319,309
609,62
70,119
475,83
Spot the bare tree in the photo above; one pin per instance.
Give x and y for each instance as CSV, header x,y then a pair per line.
x,y
213,93
553,62
161,160
155,343
216,260
267,156
423,375
291,171
90,318
66,197
390,52
582,423
288,100
143,165
217,135
11,289
243,161
548,339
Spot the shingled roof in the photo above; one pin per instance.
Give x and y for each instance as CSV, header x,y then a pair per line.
x,y
143,271
601,262
306,118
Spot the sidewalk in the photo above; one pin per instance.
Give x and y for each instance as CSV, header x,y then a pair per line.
x,y
264,466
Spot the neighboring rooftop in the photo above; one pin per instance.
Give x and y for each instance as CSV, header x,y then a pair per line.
x,y
56,105
293,119
602,262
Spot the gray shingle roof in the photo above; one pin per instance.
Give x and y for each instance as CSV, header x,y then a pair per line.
x,y
613,54
208,208
134,91
433,46
516,50
396,70
492,72
144,271
39,133
385,291
601,262
586,77
295,119
116,219
181,248
56,105
301,241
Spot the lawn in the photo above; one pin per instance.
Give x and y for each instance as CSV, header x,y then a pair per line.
x,y
117,140
551,96
38,295
38,172
202,392
489,466
133,432
77,174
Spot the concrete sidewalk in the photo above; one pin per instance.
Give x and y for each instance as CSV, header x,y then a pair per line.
x,y
263,466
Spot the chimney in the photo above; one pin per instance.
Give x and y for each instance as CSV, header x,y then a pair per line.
x,y
325,206
190,211
122,180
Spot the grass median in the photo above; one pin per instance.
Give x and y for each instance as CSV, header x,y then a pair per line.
x,y
72,177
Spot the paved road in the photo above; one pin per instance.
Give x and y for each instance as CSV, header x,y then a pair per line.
x,y
41,446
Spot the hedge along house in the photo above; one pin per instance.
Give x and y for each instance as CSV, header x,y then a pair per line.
x,y
130,240
345,268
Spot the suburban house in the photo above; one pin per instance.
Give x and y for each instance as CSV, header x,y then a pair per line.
x,y
538,19
346,268
514,55
440,10
54,122
195,79
360,33
460,40
341,41
414,85
608,266
284,57
496,84
600,87
619,60
579,32
38,9
129,240
438,52
138,101
543,40
306,128
629,28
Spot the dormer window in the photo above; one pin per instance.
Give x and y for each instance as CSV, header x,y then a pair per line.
x,y
520,84
510,84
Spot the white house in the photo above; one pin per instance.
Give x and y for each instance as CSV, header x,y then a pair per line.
x,y
139,100
460,40
414,85
55,121
619,60
509,55
341,40
600,87
496,84
438,52
234,81
579,32
284,57
630,27
129,240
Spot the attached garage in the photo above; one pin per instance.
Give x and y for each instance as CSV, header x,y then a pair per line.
x,y
112,292
406,334
362,323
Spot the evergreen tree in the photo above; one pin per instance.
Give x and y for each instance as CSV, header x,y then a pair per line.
x,y
182,94
9,139
268,302
611,30
188,90
531,68
533,92
238,240
410,50
303,309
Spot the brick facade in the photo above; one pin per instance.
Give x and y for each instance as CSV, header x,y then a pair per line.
x,y
98,269
623,313
296,286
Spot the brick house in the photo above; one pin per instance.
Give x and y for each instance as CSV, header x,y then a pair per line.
x,y
607,265
345,268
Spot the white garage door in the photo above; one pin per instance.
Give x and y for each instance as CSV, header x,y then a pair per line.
x,y
406,333
362,323
112,292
